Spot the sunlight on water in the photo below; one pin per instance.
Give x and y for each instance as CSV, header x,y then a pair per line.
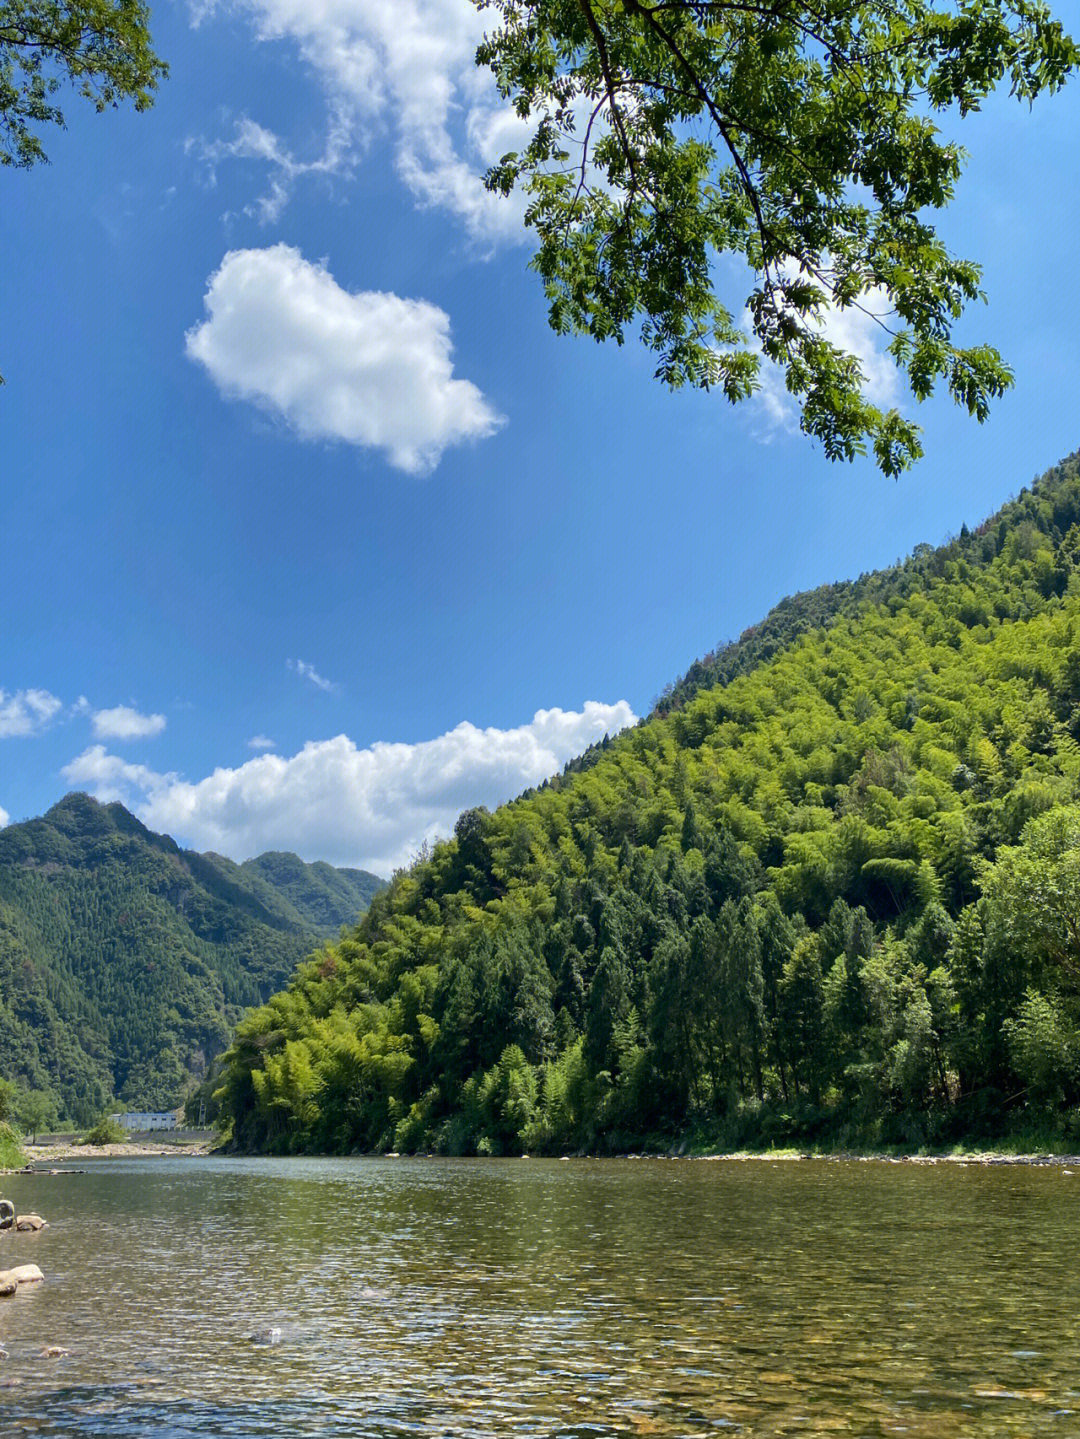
x,y
582,1300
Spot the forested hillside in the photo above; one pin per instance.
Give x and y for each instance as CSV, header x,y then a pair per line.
x,y
829,890
125,960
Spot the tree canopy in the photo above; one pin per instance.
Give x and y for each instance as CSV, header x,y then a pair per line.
x,y
797,134
101,46
829,893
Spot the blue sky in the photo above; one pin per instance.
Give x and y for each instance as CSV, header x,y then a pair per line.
x,y
313,533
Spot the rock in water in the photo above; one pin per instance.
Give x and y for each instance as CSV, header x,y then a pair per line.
x,y
30,1221
266,1336
22,1274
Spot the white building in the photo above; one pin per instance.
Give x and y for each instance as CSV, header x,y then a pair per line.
x,y
139,1121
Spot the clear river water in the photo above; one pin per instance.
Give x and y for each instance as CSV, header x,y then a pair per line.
x,y
563,1300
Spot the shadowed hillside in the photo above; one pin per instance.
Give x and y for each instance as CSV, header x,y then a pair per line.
x,y
125,960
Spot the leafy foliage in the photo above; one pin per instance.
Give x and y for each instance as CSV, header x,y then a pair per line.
x,y
11,1151
101,46
833,897
125,960
799,137
107,1130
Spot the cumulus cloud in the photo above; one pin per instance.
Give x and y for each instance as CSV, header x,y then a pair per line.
x,y
111,778
368,807
308,672
5,818
859,332
407,66
369,368
261,742
122,722
26,712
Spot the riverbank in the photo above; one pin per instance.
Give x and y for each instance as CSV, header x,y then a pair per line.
x,y
961,1157
42,1156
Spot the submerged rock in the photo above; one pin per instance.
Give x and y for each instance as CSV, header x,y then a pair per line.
x,y
266,1336
55,1351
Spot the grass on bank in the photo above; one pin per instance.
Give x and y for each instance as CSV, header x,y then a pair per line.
x,y
11,1150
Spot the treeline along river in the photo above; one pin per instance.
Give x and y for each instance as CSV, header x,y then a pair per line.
x,y
603,1298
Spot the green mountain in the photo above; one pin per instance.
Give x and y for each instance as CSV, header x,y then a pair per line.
x,y
829,890
125,960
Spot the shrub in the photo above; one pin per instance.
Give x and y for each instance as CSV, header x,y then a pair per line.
x,y
105,1131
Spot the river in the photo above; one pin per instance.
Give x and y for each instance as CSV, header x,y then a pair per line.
x,y
563,1300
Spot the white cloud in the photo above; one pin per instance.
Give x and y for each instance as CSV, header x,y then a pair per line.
x,y
5,818
261,742
111,778
858,330
405,65
252,141
368,368
309,672
123,722
26,712
368,807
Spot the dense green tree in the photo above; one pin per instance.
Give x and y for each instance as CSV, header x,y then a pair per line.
x,y
101,47
798,136
36,1109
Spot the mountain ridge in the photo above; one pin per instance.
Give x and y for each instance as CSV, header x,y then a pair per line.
x,y
124,959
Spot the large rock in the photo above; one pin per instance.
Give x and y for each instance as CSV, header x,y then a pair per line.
x,y
31,1221
21,1274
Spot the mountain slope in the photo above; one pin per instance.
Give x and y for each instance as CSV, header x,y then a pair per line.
x,y
786,904
124,960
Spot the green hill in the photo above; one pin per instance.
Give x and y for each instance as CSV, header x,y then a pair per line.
x,y
125,960
829,890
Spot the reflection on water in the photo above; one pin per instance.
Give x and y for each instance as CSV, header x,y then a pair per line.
x,y
562,1300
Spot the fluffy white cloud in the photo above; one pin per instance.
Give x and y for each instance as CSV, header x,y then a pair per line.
x,y
369,368
368,807
261,742
5,818
25,712
309,672
111,778
858,331
407,66
123,722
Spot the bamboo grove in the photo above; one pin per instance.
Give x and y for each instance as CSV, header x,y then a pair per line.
x,y
829,893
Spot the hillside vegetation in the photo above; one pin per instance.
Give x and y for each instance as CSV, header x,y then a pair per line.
x,y
829,891
125,960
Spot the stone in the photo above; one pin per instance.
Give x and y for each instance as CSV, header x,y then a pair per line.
x,y
26,1274
31,1221
8,1284
266,1336
55,1351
